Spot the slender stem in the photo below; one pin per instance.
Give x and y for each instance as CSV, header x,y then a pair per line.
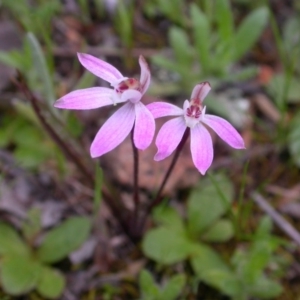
x,y
135,172
159,196
136,198
22,85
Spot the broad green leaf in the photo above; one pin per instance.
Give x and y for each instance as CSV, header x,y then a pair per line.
x,y
224,18
294,139
64,239
264,228
10,241
210,268
149,289
265,288
201,36
173,287
181,47
18,274
205,204
166,245
221,231
51,283
249,32
260,253
168,216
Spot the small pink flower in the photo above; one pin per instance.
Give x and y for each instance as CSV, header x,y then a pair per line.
x,y
193,116
133,113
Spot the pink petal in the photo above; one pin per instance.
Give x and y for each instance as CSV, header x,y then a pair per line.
x,y
145,74
225,131
201,148
200,91
114,131
100,68
133,96
169,137
163,109
144,126
86,99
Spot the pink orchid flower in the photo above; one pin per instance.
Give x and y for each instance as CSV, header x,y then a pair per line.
x,y
132,113
192,116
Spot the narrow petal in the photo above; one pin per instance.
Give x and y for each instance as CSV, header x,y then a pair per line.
x,y
86,99
133,96
114,131
144,126
163,109
100,68
201,148
169,137
145,74
200,91
225,131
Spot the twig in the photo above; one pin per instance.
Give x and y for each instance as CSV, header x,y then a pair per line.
x,y
276,217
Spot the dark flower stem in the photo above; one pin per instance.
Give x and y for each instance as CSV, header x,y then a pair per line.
x,y
118,213
159,196
136,198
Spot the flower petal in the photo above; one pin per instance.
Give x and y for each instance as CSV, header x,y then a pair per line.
x,y
145,74
86,99
201,148
163,109
133,96
169,137
100,68
114,131
225,131
144,126
200,91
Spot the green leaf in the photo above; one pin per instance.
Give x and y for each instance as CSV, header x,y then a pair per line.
x,y
221,231
294,139
149,289
265,288
166,245
181,47
210,268
224,20
276,88
258,258
64,239
168,216
51,283
19,274
205,204
201,36
249,32
173,287
10,241
41,69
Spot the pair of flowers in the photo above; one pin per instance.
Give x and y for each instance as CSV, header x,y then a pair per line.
x,y
135,113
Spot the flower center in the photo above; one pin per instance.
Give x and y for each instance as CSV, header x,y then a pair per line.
x,y
130,83
193,113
